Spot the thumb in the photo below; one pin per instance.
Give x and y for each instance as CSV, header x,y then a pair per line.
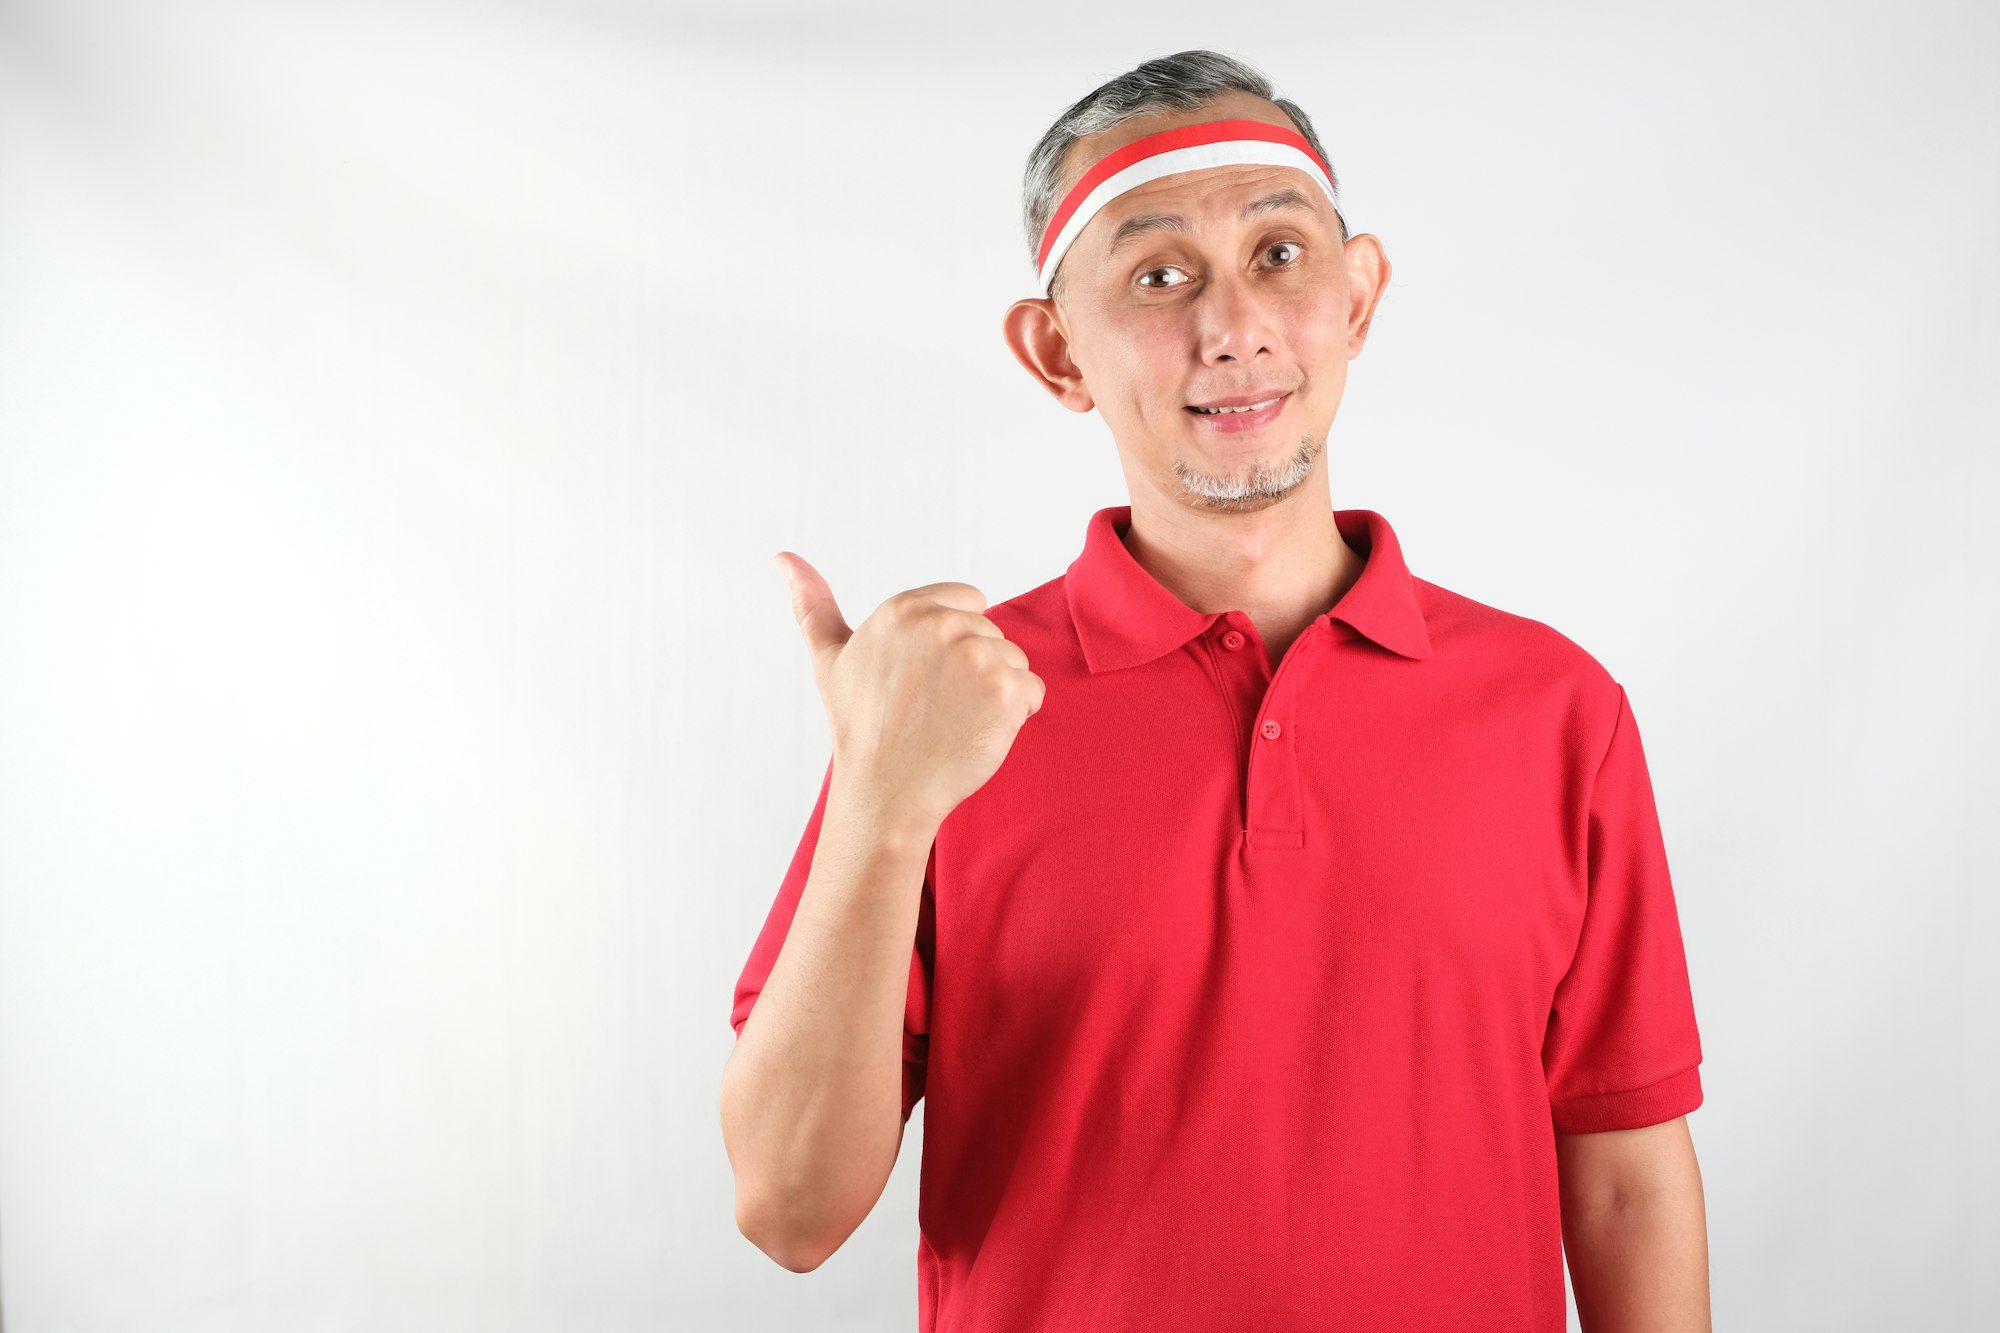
x,y
826,630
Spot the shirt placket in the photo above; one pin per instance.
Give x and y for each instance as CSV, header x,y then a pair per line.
x,y
1261,702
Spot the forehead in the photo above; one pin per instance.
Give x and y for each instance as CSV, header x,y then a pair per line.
x,y
1183,176
1210,199
1211,191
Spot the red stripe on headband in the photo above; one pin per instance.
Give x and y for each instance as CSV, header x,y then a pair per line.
x,y
1152,145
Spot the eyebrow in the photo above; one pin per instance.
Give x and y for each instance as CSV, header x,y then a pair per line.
x,y
1134,227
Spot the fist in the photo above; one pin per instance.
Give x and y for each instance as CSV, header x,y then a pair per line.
x,y
924,699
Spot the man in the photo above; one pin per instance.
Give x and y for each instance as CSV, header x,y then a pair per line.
x,y
1280,940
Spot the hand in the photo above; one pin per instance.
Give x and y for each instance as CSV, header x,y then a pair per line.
x,y
924,699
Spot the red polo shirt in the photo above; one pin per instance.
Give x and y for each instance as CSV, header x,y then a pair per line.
x,y
1253,997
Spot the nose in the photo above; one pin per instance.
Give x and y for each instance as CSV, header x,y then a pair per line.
x,y
1233,321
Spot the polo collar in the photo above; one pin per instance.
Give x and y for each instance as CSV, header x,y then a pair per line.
x,y
1125,616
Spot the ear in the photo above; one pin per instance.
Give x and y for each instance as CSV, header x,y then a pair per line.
x,y
1037,334
1367,278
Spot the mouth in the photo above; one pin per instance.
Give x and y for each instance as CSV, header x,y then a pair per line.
x,y
1241,413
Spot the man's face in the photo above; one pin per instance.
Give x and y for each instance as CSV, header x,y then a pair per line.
x,y
1251,295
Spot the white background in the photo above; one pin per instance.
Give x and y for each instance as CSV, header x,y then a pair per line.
x,y
403,730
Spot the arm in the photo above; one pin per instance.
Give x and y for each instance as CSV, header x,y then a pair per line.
x,y
812,1094
924,700
1635,1229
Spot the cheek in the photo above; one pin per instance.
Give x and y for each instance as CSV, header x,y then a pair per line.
x,y
1319,327
1150,356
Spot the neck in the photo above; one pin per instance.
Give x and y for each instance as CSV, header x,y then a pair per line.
x,y
1283,565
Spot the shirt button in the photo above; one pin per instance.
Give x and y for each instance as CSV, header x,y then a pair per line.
x,y
1270,729
1232,641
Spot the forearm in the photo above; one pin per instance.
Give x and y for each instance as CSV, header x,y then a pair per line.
x,y
1640,1263
812,1095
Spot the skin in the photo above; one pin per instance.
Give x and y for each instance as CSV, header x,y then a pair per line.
x,y
1635,1228
925,697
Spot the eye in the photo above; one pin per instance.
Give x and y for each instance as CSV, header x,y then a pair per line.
x,y
1295,246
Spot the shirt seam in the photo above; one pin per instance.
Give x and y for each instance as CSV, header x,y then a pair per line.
x,y
1617,725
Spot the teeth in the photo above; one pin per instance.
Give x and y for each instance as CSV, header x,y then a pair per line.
x,y
1215,411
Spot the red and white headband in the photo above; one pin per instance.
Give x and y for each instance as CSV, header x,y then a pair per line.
x,y
1214,143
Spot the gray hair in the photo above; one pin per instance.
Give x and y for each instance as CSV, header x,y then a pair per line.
x,y
1182,81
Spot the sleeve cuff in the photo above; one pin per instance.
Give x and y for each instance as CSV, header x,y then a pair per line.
x,y
1674,1095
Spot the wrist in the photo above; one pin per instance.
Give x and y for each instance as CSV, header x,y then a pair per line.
x,y
884,820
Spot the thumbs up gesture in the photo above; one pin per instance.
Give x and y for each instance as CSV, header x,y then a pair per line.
x,y
924,698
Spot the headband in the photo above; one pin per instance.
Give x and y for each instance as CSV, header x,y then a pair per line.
x,y
1214,143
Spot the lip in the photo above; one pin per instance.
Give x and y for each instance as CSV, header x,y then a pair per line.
x,y
1232,422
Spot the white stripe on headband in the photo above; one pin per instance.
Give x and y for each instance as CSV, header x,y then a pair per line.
x,y
1216,143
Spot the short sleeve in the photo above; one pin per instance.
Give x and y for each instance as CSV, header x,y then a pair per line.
x,y
764,953
1621,1048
